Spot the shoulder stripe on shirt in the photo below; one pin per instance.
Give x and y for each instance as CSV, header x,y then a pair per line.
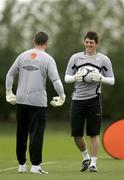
x,y
87,64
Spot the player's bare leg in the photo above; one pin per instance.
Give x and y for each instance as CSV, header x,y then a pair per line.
x,y
79,141
94,151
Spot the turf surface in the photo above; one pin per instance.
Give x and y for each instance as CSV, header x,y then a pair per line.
x,y
61,158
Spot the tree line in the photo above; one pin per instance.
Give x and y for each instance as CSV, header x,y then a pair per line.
x,y
66,22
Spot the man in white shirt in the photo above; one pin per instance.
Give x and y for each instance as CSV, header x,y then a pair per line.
x,y
32,68
88,70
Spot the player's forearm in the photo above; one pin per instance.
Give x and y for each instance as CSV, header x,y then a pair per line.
x,y
9,82
108,80
59,88
69,78
13,71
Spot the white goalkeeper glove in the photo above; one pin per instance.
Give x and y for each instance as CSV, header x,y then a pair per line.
x,y
96,76
79,75
58,101
10,97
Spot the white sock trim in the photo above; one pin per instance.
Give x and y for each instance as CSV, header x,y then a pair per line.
x,y
93,161
85,155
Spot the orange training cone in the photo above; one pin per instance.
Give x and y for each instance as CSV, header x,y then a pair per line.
x,y
113,139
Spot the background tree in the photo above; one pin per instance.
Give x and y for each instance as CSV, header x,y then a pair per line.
x,y
66,22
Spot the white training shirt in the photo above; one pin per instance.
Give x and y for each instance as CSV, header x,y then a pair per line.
x,y
84,90
32,67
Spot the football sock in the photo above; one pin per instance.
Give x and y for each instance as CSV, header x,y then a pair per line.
x,y
93,161
85,155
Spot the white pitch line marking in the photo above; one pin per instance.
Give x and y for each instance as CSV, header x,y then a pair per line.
x,y
16,167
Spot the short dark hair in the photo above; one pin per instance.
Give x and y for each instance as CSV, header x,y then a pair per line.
x,y
92,35
40,38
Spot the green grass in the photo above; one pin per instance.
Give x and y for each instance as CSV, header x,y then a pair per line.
x,y
60,157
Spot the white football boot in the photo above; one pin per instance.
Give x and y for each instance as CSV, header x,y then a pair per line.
x,y
38,170
22,168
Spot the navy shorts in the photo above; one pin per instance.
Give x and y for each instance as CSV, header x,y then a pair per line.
x,y
86,113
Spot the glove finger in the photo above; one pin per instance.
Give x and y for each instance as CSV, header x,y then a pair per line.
x,y
79,73
53,103
95,79
56,103
79,79
13,102
96,73
56,98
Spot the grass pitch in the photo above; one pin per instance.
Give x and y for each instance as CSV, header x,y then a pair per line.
x,y
61,158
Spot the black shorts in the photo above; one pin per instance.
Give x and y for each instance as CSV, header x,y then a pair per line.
x,y
86,112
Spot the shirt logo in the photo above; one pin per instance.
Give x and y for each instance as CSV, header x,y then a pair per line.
x,y
30,68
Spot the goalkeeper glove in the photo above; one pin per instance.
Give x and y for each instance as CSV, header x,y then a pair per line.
x,y
10,97
96,76
79,75
58,101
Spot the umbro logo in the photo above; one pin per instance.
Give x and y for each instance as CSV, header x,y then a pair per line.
x,y
30,68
